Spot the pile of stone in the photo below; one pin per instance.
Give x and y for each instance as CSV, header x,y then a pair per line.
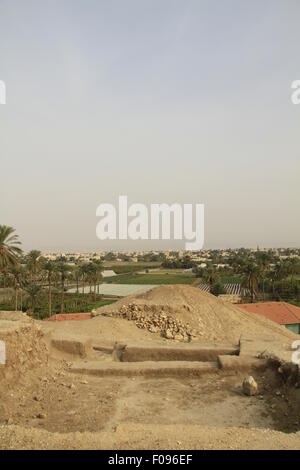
x,y
212,318
157,320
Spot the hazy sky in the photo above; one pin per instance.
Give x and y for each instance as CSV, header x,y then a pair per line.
x,y
163,101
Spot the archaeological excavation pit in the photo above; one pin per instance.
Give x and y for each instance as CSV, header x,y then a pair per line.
x,y
190,352
108,377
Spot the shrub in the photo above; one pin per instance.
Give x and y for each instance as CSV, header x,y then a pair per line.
x,y
217,288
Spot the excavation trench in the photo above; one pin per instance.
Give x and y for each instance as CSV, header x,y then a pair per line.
x,y
123,353
200,382
102,386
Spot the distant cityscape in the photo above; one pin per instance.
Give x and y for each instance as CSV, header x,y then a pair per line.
x,y
203,257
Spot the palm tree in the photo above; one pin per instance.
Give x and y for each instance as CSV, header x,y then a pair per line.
x,y
99,268
250,280
263,264
210,275
63,269
33,291
49,267
84,271
90,275
16,273
293,267
9,249
278,272
33,264
94,272
76,276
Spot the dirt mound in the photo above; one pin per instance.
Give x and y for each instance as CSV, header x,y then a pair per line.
x,y
24,346
183,312
14,316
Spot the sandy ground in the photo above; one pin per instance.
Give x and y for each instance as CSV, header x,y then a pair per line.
x,y
44,405
102,330
132,436
57,409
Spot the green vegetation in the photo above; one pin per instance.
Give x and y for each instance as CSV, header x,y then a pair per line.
x,y
131,267
155,278
40,287
9,248
230,279
267,275
184,263
5,294
251,272
217,288
73,303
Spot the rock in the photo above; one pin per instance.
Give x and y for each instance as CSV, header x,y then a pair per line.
x,y
41,416
250,386
147,317
118,351
153,329
178,337
169,334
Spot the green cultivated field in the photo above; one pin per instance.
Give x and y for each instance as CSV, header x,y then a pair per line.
x,y
229,279
154,278
129,267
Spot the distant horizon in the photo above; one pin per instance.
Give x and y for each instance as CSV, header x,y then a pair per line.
x,y
92,250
